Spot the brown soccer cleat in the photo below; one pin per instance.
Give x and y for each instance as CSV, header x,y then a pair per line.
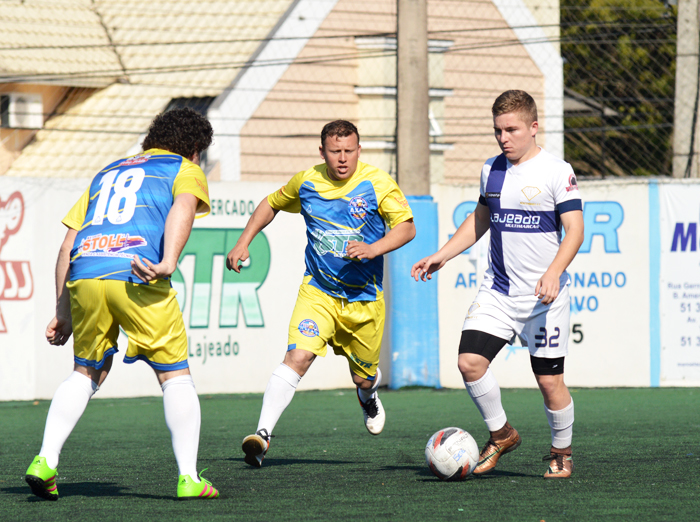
x,y
561,464
500,442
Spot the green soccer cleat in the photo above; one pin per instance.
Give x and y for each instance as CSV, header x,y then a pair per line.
x,y
42,479
188,489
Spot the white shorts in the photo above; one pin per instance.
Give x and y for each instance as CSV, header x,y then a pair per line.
x,y
544,329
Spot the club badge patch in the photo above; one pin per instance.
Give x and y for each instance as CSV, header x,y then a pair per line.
x,y
358,207
308,328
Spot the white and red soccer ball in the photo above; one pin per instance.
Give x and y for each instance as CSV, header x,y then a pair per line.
x,y
451,454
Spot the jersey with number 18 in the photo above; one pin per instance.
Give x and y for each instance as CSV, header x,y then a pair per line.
x,y
123,213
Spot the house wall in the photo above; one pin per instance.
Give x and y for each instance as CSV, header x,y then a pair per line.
x,y
481,58
12,141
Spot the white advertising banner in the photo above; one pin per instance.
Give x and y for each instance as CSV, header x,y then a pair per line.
x,y
634,293
609,291
679,287
236,324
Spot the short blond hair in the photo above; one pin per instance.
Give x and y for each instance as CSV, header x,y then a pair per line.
x,y
516,101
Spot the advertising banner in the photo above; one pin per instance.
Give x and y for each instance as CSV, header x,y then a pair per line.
x,y
634,293
609,291
237,324
679,286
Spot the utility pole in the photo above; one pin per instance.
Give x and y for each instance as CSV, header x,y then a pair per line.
x,y
412,132
414,325
686,135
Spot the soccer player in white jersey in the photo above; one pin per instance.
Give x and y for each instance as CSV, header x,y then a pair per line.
x,y
527,197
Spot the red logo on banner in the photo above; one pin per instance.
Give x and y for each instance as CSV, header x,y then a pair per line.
x,y
15,276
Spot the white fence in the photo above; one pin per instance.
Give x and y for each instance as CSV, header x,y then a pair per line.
x,y
635,293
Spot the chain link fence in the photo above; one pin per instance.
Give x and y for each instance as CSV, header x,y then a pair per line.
x,y
619,69
612,116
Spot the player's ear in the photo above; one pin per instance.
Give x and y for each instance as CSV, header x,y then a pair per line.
x,y
533,128
320,150
359,149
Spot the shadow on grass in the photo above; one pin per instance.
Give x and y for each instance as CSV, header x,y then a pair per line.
x,y
271,463
87,489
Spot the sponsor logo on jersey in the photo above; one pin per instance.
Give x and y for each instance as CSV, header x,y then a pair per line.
x,y
358,207
515,220
496,195
112,245
136,160
334,241
403,202
16,283
202,186
531,192
572,183
308,328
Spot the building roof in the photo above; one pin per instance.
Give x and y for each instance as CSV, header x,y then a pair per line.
x,y
125,59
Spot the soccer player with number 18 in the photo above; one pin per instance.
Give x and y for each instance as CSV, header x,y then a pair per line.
x,y
125,235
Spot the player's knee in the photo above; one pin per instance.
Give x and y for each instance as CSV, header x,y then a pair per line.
x,y
361,382
299,360
550,385
472,366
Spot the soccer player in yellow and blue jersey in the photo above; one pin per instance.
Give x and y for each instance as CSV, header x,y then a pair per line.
x,y
125,235
347,206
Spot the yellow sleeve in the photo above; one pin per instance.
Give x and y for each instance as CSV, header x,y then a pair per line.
x,y
191,180
393,206
287,198
76,216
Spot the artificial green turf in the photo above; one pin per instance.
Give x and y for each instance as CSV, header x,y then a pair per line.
x,y
637,456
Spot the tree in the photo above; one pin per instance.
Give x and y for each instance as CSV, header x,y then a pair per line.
x,y
620,53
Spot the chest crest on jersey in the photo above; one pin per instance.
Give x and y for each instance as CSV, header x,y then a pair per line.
x,y
358,207
530,193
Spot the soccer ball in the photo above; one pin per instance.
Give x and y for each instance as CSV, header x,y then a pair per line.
x,y
451,454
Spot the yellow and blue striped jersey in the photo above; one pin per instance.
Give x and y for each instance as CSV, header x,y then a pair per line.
x,y
123,213
336,212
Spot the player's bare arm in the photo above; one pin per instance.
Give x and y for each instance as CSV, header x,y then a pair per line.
x,y
60,328
261,217
468,233
548,285
178,226
397,237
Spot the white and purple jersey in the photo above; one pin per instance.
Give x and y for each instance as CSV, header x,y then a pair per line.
x,y
525,202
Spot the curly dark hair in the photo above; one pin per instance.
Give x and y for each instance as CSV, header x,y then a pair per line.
x,y
339,128
182,131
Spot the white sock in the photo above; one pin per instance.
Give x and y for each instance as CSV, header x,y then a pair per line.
x,y
487,396
278,394
183,418
371,393
561,423
67,406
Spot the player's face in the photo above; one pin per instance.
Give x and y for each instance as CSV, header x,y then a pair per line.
x,y
341,156
515,136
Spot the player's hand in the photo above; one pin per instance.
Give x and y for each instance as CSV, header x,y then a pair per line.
x,y
360,250
238,253
59,331
148,271
547,288
425,268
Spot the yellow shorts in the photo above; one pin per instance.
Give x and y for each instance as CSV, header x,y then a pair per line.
x,y
148,314
353,330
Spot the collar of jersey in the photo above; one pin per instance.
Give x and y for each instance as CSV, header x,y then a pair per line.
x,y
341,182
